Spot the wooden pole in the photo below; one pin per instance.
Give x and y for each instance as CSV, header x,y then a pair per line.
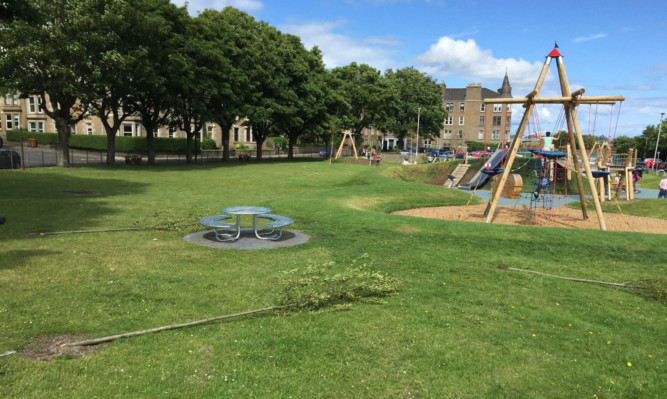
x,y
516,143
554,100
565,87
624,177
575,160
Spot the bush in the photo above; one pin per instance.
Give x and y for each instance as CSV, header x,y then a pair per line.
x,y
99,142
42,138
208,144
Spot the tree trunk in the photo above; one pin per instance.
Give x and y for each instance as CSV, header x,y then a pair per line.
x,y
225,140
62,150
150,143
259,139
111,147
188,147
290,146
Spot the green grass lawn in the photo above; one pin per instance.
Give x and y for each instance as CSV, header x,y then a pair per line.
x,y
458,327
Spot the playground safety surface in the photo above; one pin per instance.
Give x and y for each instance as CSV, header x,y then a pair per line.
x,y
561,217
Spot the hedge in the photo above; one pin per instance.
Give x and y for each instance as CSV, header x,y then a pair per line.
x,y
99,142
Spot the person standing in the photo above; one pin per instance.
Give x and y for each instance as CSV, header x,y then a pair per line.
x,y
663,188
378,158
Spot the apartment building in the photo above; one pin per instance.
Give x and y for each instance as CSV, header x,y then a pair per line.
x,y
470,120
29,114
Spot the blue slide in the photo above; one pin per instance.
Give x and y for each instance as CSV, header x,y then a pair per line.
x,y
480,179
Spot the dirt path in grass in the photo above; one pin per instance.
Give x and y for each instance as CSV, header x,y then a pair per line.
x,y
521,215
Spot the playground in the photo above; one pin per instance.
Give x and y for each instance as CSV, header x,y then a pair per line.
x,y
372,304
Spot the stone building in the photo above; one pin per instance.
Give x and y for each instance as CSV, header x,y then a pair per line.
x,y
28,114
470,120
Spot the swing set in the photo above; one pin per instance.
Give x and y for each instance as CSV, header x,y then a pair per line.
x,y
575,140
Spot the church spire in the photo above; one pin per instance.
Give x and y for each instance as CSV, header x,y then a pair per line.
x,y
506,90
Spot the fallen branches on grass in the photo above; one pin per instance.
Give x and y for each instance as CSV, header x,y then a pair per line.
x,y
653,287
159,220
310,288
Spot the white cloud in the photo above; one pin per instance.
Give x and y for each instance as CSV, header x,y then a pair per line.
x,y
589,37
340,50
466,60
196,6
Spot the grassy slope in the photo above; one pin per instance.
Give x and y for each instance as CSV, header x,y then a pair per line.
x,y
458,328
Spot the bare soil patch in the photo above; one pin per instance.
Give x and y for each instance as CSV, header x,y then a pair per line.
x,y
563,217
46,348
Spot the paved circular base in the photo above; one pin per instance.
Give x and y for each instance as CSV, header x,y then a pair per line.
x,y
247,240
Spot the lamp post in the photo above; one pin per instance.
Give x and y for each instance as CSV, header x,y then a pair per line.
x,y
655,153
419,110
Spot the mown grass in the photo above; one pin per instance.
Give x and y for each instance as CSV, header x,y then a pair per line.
x,y
459,327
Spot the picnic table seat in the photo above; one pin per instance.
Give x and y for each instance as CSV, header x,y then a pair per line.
x,y
277,222
217,224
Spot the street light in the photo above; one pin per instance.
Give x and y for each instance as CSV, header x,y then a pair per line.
x,y
655,153
419,110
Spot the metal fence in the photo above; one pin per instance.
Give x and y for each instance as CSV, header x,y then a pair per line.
x,y
43,156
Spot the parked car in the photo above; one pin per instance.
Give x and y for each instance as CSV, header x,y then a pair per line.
x,y
649,162
446,154
460,155
480,154
326,153
405,152
9,159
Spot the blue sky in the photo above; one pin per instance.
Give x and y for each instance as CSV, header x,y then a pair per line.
x,y
609,47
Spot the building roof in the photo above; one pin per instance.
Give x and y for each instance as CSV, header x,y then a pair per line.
x,y
460,94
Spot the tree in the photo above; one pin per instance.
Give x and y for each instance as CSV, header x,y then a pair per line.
x,y
193,84
415,94
305,110
267,84
46,55
117,39
154,69
364,90
231,32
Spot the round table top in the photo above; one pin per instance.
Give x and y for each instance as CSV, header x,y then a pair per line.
x,y
246,210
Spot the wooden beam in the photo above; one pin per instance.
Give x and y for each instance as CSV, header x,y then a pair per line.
x,y
554,100
579,92
565,89
514,148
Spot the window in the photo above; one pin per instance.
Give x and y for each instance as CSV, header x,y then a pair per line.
x,y
462,107
128,129
480,135
497,107
482,107
89,129
507,120
496,121
40,127
9,124
72,128
16,121
33,126
248,135
447,134
236,134
11,99
460,134
449,120
209,131
460,120
481,121
449,107
172,130
32,106
495,135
